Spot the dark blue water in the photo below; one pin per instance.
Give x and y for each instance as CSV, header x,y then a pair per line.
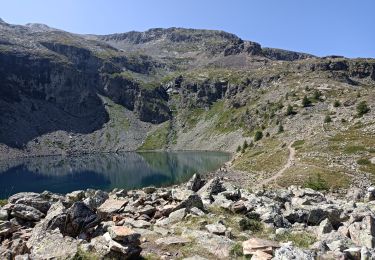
x,y
104,171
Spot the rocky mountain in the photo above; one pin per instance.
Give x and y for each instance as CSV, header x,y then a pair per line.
x,y
176,88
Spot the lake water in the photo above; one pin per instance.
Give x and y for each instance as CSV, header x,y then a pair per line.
x,y
104,171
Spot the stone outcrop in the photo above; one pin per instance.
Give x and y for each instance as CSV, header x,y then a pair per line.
x,y
120,224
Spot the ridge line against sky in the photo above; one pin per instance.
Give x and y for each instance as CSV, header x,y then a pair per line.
x,y
319,27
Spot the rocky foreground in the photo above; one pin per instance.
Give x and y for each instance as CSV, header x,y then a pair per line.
x,y
198,220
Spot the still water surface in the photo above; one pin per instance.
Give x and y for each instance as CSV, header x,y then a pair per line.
x,y
104,171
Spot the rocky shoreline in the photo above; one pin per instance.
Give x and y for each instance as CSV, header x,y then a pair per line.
x,y
202,219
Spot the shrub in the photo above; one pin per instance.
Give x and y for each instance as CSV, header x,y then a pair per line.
x,y
236,250
327,119
3,202
336,103
306,101
362,108
245,145
281,128
317,95
239,148
258,135
267,134
363,161
290,111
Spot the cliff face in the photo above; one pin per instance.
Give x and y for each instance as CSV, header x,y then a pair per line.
x,y
94,91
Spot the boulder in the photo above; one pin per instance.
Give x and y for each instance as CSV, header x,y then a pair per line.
x,y
192,201
324,227
53,245
27,213
95,199
256,244
212,187
126,250
217,229
111,207
173,218
362,233
79,218
75,196
147,210
123,234
195,183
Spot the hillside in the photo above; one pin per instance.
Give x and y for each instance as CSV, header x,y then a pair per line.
x,y
188,89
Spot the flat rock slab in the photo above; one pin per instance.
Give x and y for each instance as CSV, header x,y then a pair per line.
x,y
173,240
256,244
123,234
110,207
218,229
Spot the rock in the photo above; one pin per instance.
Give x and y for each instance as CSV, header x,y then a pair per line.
x,y
370,195
79,219
217,229
195,183
127,251
255,244
324,227
362,233
220,201
212,187
123,234
260,255
172,240
197,212
27,213
7,228
22,257
4,215
75,196
149,190
138,223
192,201
353,253
95,200
181,194
53,245
238,207
173,218
287,252
219,246
147,210
162,231
111,207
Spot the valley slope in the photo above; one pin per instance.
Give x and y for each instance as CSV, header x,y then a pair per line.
x,y
188,89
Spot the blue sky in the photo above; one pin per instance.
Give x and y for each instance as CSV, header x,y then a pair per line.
x,y
320,27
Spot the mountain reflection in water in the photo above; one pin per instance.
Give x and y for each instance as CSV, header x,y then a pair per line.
x,y
104,171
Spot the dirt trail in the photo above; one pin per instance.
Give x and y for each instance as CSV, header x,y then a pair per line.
x,y
289,163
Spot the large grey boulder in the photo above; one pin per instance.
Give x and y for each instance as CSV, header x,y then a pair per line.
x,y
53,245
79,218
195,183
363,233
27,213
212,187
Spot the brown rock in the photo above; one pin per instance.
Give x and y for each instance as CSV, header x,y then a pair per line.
x,y
255,244
111,207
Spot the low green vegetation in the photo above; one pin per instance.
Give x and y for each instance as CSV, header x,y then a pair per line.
x,y
327,119
3,202
316,183
362,108
336,103
290,111
306,101
363,161
258,135
157,139
299,239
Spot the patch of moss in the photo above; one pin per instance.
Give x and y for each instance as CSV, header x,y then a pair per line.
x,y
3,202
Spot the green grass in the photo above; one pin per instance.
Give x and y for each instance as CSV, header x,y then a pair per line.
x,y
300,239
363,161
298,144
354,149
3,202
157,139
